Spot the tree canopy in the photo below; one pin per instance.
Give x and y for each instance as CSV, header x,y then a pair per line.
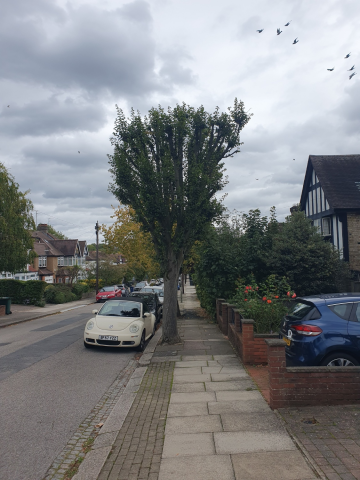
x,y
125,236
168,166
16,222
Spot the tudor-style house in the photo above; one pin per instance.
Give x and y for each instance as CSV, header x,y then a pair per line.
x,y
331,199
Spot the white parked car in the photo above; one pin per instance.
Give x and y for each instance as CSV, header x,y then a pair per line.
x,y
120,323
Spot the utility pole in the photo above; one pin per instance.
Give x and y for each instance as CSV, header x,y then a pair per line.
x,y
97,256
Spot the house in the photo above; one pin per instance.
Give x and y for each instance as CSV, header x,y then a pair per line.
x,y
331,199
55,255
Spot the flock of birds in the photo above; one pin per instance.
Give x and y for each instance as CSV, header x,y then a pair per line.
x,y
279,31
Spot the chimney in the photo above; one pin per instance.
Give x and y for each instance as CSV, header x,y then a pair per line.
x,y
42,227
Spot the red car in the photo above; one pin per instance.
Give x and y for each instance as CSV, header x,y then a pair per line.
x,y
108,292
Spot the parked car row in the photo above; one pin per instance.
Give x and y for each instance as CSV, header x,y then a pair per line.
x,y
323,330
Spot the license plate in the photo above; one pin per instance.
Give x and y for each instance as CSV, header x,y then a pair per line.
x,y
108,337
287,341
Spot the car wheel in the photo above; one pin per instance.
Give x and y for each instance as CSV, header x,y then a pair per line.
x,y
87,345
339,360
141,346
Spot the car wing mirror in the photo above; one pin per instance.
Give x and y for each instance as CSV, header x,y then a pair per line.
x,y
95,312
146,314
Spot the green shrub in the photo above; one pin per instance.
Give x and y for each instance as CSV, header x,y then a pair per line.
x,y
78,289
59,293
20,291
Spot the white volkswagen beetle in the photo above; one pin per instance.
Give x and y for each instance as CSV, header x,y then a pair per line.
x,y
120,323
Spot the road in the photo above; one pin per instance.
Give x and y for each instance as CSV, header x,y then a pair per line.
x,y
48,384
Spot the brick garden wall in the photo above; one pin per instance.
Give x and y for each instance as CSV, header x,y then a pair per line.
x,y
353,223
2,310
251,347
299,386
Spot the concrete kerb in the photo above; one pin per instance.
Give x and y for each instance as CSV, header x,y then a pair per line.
x,y
94,461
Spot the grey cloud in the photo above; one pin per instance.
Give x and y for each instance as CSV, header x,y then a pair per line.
x,y
94,50
52,116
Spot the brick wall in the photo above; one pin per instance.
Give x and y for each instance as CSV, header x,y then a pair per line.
x,y
299,386
353,224
251,347
2,310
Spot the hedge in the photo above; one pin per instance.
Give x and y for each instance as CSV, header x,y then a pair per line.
x,y
63,293
19,291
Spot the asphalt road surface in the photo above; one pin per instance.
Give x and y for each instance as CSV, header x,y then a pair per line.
x,y
48,384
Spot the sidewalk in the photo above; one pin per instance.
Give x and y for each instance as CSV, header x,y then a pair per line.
x,y
24,313
198,415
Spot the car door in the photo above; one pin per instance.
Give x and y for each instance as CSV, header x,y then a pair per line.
x,y
354,329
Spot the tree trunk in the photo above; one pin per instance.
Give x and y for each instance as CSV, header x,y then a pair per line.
x,y
170,332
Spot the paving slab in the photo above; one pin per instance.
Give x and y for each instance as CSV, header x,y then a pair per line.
x,y
211,369
191,363
192,378
232,369
240,384
191,444
188,387
187,409
245,396
245,441
254,422
238,407
187,371
192,397
195,424
188,357
206,467
228,377
272,466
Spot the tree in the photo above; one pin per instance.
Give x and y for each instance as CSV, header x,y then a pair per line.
x,y
300,253
16,222
168,167
126,237
56,233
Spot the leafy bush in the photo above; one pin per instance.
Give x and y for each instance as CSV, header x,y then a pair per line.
x,y
266,303
78,289
20,291
59,294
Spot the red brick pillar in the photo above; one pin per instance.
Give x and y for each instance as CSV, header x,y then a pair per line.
x,y
237,320
277,371
230,312
247,338
219,302
224,324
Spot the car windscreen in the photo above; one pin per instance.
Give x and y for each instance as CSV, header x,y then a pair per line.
x,y
107,289
121,309
299,310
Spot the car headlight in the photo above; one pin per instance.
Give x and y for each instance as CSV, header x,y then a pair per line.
x,y
134,328
90,325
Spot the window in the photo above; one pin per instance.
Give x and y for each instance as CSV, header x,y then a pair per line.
x,y
342,310
60,261
42,261
356,317
59,280
326,226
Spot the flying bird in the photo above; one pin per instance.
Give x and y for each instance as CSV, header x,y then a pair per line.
x,y
295,41
293,158
350,77
256,179
8,106
278,31
288,23
348,55
78,151
352,68
260,30
330,69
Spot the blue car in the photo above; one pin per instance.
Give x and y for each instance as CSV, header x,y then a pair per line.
x,y
323,330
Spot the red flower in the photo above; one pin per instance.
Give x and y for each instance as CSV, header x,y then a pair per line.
x,y
245,299
247,288
288,294
293,296
264,298
269,301
257,288
276,296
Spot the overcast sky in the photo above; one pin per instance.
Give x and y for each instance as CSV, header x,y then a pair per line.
x,y
64,66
